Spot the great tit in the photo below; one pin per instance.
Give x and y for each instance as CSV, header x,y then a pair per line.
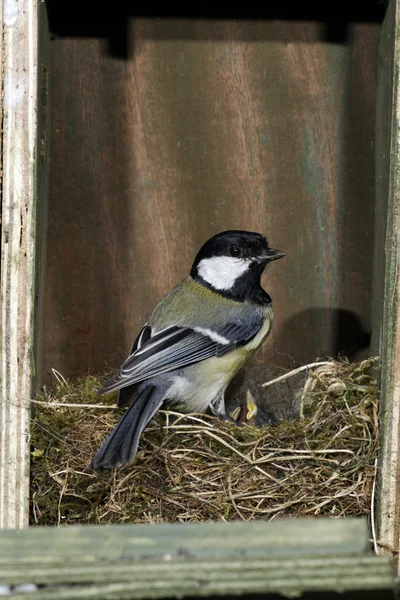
x,y
196,340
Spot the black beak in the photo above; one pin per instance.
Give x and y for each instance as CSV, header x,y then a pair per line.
x,y
271,254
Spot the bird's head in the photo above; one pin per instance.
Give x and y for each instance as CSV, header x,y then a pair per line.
x,y
250,413
232,263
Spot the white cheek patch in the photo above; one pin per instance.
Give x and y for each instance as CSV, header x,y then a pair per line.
x,y
222,271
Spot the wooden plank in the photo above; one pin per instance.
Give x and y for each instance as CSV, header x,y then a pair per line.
x,y
210,125
383,121
24,158
287,557
285,576
388,197
202,540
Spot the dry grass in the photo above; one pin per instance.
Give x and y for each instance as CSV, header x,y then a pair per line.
x,y
195,468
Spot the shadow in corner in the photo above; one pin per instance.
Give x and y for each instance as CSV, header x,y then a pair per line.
x,y
93,19
319,332
328,332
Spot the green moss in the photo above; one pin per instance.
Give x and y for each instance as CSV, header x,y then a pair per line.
x,y
198,468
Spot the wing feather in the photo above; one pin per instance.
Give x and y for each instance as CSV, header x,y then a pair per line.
x,y
175,348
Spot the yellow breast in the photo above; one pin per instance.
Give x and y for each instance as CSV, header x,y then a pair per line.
x,y
229,364
263,333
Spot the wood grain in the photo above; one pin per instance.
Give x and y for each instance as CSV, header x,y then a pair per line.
x,y
210,125
387,279
23,158
286,557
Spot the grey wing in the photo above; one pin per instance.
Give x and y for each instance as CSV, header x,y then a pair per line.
x,y
126,394
178,347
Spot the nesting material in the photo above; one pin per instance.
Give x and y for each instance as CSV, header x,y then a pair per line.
x,y
196,468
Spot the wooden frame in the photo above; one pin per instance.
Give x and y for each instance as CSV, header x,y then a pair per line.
x,y
286,557
387,288
24,161
24,151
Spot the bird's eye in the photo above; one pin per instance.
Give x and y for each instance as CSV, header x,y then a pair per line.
x,y
235,251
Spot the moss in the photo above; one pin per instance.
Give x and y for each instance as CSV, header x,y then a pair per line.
x,y
196,468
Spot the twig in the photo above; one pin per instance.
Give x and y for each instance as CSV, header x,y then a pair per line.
x,y
246,458
60,378
232,499
373,530
295,371
74,404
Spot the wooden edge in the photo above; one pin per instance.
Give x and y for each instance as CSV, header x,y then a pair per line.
x,y
286,575
389,473
196,540
19,252
287,557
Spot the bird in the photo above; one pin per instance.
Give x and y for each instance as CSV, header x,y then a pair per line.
x,y
251,413
196,340
250,403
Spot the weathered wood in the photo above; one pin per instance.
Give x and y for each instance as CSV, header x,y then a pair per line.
x,y
285,557
23,188
210,125
203,540
201,579
388,198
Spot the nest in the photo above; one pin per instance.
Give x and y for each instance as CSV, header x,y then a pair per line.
x,y
197,468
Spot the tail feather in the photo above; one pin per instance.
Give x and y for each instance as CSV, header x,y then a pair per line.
x,y
121,445
126,394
